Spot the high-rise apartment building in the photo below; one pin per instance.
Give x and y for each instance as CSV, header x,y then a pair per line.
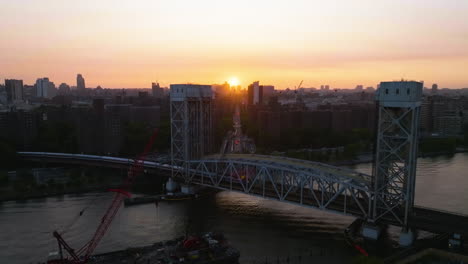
x,y
43,87
255,93
14,90
434,88
64,89
80,83
158,92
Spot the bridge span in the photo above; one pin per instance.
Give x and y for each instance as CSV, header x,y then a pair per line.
x,y
305,183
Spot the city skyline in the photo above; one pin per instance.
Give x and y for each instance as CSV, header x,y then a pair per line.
x,y
338,43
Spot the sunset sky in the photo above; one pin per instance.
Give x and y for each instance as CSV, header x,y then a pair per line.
x,y
342,43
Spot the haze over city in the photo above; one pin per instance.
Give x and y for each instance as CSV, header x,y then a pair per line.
x,y
119,44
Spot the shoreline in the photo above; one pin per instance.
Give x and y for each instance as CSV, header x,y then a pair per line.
x,y
421,155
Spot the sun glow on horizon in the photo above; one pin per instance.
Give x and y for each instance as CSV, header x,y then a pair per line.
x,y
233,81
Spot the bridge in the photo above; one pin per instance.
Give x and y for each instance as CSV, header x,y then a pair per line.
x,y
305,183
385,197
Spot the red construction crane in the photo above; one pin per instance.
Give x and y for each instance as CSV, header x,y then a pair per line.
x,y
82,255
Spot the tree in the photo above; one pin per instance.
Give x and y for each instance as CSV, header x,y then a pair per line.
x,y
8,156
56,137
4,179
136,135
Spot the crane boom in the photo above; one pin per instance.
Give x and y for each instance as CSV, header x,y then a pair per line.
x,y
299,86
114,207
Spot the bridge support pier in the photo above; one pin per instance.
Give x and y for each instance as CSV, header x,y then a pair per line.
x,y
371,231
407,237
187,189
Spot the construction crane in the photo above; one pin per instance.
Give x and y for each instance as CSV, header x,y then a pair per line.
x,y
82,255
299,86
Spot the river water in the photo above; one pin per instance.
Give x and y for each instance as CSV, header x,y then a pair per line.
x,y
260,229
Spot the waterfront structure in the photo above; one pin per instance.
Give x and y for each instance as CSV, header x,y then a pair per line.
x,y
394,174
191,128
14,90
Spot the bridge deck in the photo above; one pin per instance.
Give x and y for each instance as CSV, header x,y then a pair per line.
x,y
296,163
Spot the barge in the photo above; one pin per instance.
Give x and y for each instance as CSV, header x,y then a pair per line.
x,y
208,248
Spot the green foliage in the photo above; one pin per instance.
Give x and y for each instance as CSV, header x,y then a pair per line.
x,y
4,179
163,140
465,135
24,182
136,135
8,157
434,145
56,137
351,150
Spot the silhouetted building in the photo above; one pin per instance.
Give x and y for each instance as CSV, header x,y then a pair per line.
x,y
158,92
42,87
51,90
150,115
448,125
221,89
29,91
64,89
255,94
434,88
19,128
80,83
14,90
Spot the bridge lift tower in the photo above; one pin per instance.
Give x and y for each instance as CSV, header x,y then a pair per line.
x,y
191,125
394,174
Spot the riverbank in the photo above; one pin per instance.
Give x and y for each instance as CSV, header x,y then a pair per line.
x,y
369,158
13,196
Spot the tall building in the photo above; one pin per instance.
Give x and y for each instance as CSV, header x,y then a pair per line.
x,y
255,93
51,90
268,89
434,88
325,87
64,89
222,89
80,82
14,90
158,92
42,87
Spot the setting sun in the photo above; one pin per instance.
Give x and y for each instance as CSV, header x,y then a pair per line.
x,y
233,81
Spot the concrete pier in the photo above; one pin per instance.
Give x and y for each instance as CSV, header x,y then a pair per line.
x,y
407,237
371,231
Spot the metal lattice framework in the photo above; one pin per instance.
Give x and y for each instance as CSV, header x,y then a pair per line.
x,y
190,124
306,183
395,165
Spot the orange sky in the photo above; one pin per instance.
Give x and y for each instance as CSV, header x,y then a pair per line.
x,y
342,43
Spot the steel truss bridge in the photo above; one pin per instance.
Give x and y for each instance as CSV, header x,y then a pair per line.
x,y
299,182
